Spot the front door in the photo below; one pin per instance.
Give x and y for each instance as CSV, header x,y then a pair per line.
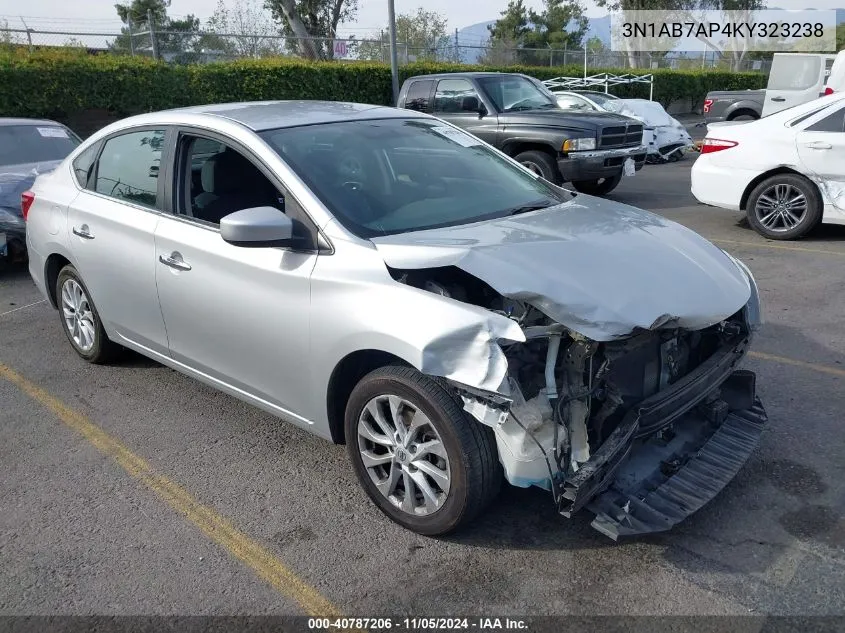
x,y
458,102
238,316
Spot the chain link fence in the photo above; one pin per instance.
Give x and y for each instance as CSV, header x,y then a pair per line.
x,y
204,47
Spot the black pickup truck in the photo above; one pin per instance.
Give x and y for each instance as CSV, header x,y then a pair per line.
x,y
515,114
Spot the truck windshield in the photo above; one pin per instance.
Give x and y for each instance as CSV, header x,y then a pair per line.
x,y
386,176
512,93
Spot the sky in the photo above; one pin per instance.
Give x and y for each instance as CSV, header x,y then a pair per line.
x,y
99,15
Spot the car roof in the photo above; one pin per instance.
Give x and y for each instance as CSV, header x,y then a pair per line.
x,y
463,74
13,121
270,115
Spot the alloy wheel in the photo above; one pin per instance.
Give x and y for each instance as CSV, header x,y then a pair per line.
x,y
781,207
78,315
404,455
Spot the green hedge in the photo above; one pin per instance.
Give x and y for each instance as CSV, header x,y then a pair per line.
x,y
57,84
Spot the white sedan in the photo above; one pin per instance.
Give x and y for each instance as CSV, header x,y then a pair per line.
x,y
786,171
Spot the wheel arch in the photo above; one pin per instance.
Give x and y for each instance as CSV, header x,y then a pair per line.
x,y
743,111
52,266
517,146
743,202
346,374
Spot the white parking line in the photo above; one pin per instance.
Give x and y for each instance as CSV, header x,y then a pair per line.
x,y
22,307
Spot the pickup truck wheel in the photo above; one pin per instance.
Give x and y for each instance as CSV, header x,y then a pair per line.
x,y
598,187
541,164
743,115
784,207
422,460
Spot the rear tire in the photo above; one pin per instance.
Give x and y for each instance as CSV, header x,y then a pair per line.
x,y
598,187
410,428
784,207
80,320
743,115
541,164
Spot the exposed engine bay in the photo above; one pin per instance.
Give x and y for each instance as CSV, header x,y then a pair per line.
x,y
576,406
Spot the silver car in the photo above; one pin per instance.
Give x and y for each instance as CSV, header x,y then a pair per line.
x,y
390,282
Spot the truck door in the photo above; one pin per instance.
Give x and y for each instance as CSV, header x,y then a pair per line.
x,y
458,102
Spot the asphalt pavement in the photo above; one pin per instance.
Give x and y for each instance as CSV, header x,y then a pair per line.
x,y
131,489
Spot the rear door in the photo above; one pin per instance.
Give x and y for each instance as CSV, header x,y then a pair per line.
x,y
112,226
794,79
821,147
457,101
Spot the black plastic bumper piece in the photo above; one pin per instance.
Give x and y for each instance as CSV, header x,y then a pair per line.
x,y
666,479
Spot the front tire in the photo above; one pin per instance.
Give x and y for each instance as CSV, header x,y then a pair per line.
x,y
422,460
80,320
598,187
784,207
541,164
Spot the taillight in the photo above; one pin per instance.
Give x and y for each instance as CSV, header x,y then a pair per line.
x,y
707,104
710,145
828,91
27,198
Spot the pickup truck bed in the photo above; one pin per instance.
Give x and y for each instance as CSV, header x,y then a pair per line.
x,y
729,105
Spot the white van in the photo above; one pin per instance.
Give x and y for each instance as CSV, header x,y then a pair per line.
x,y
836,79
797,78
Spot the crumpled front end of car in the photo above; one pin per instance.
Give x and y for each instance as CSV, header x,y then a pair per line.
x,y
629,402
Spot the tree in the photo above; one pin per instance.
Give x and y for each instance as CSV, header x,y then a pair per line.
x,y
305,20
740,11
422,34
561,25
241,29
173,37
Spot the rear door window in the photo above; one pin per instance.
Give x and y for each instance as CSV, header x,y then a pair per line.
x,y
418,95
129,166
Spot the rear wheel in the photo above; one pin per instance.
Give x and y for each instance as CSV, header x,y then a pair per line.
x,y
784,207
423,461
598,187
743,115
541,164
80,320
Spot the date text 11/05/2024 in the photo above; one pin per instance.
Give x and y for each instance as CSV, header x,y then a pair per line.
x,y
419,624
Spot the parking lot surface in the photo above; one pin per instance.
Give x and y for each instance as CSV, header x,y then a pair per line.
x,y
130,489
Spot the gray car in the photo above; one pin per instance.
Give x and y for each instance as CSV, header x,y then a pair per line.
x,y
385,280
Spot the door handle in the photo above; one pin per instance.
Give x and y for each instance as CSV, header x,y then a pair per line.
x,y
83,232
818,145
174,260
778,99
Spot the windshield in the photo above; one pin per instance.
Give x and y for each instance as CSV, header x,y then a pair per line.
x,y
511,93
381,177
601,98
20,144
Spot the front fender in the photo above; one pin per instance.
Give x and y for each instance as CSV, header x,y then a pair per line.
x,y
356,305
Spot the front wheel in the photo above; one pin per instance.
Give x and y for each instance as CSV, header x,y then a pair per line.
x,y
541,164
599,186
784,207
423,461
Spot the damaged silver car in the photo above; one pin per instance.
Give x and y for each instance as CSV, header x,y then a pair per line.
x,y
387,281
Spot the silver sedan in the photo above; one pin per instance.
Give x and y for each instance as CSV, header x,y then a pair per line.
x,y
390,282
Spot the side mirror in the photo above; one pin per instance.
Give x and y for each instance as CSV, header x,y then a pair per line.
x,y
472,104
257,227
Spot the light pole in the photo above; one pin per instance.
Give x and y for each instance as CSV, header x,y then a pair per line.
x,y
394,66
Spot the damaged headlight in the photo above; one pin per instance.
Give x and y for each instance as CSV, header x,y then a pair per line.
x,y
578,144
753,312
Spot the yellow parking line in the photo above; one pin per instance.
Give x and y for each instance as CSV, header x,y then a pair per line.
x,y
801,249
825,369
216,527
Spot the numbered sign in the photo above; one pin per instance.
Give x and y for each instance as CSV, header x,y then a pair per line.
x,y
340,48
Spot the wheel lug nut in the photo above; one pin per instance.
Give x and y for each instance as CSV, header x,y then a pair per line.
x,y
412,449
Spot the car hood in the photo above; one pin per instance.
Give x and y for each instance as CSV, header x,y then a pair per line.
x,y
600,268
565,118
15,179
